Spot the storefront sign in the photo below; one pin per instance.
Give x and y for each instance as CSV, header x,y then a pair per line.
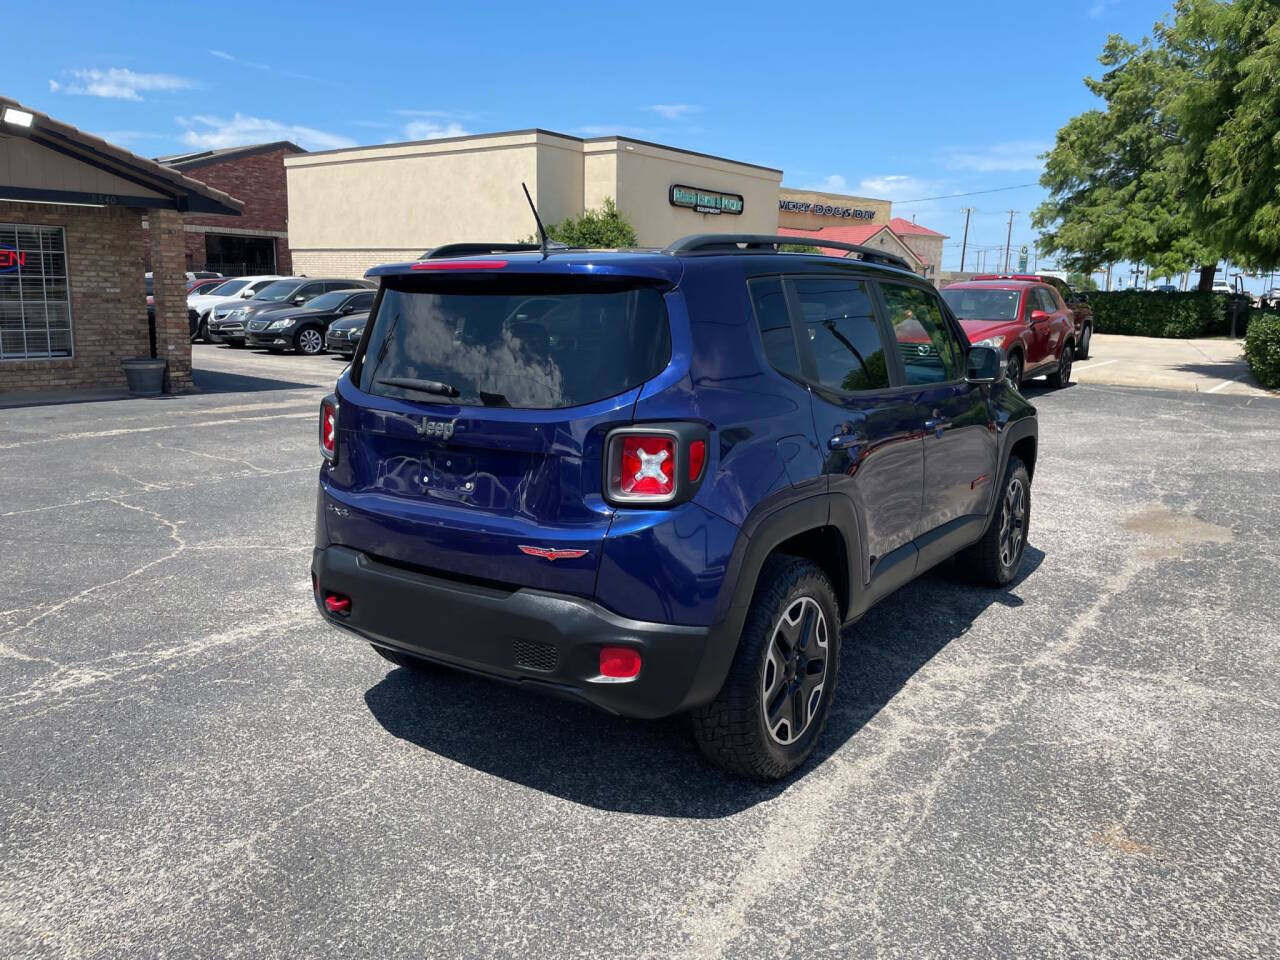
x,y
11,259
705,201
825,210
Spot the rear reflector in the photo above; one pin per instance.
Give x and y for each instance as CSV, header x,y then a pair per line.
x,y
621,663
329,428
648,466
697,457
337,603
459,265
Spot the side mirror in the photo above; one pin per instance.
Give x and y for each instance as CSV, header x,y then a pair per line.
x,y
300,300
984,365
1082,298
1038,315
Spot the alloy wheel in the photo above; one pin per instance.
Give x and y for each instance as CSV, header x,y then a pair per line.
x,y
795,671
1014,372
310,341
1064,364
1013,522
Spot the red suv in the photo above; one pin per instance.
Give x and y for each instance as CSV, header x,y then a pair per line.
x,y
1025,319
1077,302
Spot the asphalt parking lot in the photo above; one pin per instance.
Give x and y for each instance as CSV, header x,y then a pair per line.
x,y
192,765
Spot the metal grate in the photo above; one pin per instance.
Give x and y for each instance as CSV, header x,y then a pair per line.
x,y
533,655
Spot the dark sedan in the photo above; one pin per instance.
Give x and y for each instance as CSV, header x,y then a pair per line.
x,y
303,329
280,297
344,335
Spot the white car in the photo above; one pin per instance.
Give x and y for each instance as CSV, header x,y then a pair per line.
x,y
200,307
1221,286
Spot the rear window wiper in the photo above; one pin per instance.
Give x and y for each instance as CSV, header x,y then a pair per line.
x,y
422,386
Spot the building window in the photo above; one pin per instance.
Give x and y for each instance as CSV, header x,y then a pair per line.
x,y
35,308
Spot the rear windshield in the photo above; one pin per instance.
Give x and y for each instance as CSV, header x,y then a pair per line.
x,y
983,304
531,342
226,289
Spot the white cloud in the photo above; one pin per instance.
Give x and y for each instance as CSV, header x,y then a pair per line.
x,y
1012,157
613,130
895,186
117,83
432,129
213,133
1099,8
674,111
435,114
834,183
222,55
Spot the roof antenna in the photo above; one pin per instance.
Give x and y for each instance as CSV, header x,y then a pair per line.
x,y
547,244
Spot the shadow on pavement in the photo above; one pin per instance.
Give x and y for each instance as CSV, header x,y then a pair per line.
x,y
214,381
654,767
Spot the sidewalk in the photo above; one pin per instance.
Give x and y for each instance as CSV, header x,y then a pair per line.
x,y
1205,366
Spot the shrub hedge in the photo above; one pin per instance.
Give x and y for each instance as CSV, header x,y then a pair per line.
x,y
1179,315
1262,348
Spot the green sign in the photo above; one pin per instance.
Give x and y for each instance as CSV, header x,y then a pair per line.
x,y
705,201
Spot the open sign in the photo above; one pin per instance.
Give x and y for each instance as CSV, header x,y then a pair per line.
x,y
11,259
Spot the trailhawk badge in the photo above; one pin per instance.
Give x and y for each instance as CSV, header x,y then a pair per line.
x,y
547,553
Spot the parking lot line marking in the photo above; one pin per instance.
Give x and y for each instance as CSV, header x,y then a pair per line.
x,y
1090,366
95,434
1226,383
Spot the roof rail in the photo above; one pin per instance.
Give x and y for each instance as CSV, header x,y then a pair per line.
x,y
471,249
764,243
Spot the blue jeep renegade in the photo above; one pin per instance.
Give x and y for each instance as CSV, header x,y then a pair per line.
x,y
661,481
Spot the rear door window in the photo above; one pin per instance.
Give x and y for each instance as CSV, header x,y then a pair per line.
x,y
774,323
535,342
842,333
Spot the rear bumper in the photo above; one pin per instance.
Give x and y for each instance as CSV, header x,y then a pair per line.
x,y
538,639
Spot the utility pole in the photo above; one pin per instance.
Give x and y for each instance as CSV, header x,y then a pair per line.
x,y
1008,239
964,244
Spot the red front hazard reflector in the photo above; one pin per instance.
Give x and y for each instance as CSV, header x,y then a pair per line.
x,y
329,428
620,663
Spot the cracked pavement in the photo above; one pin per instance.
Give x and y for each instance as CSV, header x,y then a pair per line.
x,y
193,765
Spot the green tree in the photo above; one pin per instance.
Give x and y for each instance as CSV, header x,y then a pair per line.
x,y
1115,175
1082,281
605,227
1228,110
1181,165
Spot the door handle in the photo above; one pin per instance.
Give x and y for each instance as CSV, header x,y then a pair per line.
x,y
937,425
845,441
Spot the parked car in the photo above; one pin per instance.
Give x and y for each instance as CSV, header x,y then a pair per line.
x,y
1026,320
1221,286
203,284
1165,288
303,328
284,294
668,488
1077,302
200,308
344,334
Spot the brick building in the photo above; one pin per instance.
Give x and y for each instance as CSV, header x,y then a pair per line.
x,y
257,241
72,248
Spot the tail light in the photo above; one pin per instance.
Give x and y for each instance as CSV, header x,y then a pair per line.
x,y
329,428
654,465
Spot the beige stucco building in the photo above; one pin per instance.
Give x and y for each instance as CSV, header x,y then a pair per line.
x,y
354,208
814,210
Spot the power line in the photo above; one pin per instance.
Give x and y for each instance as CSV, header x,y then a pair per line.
x,y
971,193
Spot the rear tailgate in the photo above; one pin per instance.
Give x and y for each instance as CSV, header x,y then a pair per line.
x,y
471,434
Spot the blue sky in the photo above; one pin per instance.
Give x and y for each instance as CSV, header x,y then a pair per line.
x,y
904,101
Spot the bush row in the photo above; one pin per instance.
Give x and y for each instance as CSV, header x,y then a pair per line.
x,y
1180,315
1262,348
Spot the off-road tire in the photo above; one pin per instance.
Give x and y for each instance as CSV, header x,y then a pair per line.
x,y
1062,376
731,730
984,561
407,660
